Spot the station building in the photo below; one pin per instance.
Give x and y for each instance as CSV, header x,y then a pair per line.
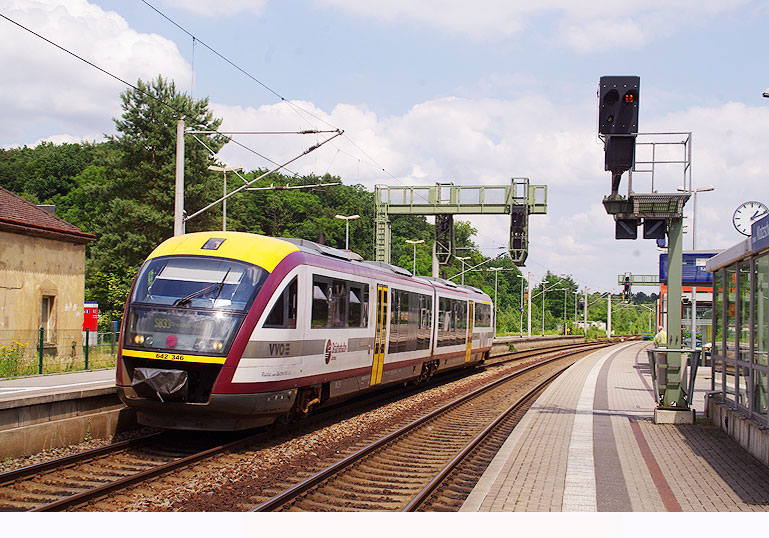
x,y
740,320
42,278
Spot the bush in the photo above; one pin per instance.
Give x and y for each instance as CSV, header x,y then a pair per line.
x,y
12,362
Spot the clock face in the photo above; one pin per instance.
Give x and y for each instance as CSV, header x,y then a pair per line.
x,y
747,214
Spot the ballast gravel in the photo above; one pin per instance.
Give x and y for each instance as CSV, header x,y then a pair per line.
x,y
232,482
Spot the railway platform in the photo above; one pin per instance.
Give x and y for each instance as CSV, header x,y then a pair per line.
x,y
589,444
50,411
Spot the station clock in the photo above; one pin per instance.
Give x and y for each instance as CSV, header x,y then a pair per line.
x,y
746,214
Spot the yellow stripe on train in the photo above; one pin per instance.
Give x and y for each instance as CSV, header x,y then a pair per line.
x,y
266,252
174,357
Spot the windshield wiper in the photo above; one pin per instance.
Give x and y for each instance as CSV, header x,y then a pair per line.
x,y
198,293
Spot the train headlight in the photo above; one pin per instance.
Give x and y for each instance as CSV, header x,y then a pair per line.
x,y
139,339
148,341
217,346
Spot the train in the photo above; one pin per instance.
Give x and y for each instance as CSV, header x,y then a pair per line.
x,y
227,331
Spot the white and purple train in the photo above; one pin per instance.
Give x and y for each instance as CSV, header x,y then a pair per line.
x,y
228,331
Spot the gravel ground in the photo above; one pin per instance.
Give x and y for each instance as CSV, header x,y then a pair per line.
x,y
228,486
10,464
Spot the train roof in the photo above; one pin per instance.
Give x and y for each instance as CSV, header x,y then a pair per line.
x,y
268,252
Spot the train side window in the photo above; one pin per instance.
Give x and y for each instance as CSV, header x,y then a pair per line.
x,y
321,292
358,306
283,313
339,304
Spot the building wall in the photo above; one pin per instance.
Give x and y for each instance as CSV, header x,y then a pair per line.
x,y
32,268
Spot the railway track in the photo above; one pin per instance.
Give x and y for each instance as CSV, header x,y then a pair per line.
x,y
429,463
70,482
74,480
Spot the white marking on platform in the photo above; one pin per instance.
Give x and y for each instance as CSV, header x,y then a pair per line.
x,y
579,492
10,390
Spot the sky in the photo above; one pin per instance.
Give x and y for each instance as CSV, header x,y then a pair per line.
x,y
427,91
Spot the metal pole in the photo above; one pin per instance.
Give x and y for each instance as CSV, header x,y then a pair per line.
x,y
528,320
585,313
694,220
179,185
347,237
543,310
40,353
564,310
608,318
496,309
520,325
86,348
224,202
673,396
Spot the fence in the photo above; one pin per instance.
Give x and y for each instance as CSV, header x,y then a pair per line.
x,y
39,352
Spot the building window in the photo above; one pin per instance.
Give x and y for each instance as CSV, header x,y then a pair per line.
x,y
760,311
718,314
744,306
47,318
759,392
731,313
742,390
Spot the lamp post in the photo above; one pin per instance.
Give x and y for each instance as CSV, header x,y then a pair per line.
x,y
224,170
347,228
462,259
694,210
415,243
520,310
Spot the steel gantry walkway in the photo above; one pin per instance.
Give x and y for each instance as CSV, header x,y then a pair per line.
x,y
444,200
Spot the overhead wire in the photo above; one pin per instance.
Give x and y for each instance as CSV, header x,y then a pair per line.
x,y
182,112
137,89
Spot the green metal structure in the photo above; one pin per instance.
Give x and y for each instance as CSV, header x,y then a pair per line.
x,y
668,207
639,280
444,200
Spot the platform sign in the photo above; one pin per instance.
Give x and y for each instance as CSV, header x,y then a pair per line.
x,y
693,268
91,317
759,237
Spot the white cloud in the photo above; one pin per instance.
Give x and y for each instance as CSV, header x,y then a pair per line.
x,y
44,85
217,8
584,26
488,141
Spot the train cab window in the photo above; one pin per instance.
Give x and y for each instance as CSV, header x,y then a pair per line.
x,y
283,313
482,315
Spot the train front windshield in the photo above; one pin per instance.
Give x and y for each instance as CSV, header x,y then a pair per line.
x,y
190,304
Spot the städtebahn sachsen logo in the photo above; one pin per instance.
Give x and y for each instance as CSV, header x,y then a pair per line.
x,y
332,348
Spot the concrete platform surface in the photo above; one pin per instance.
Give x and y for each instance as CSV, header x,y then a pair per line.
x,y
69,385
589,444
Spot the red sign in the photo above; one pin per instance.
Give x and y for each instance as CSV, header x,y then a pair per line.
x,y
91,317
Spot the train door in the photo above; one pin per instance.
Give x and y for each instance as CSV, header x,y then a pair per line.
x,y
380,335
470,320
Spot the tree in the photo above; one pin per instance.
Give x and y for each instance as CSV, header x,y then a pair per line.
x,y
134,186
